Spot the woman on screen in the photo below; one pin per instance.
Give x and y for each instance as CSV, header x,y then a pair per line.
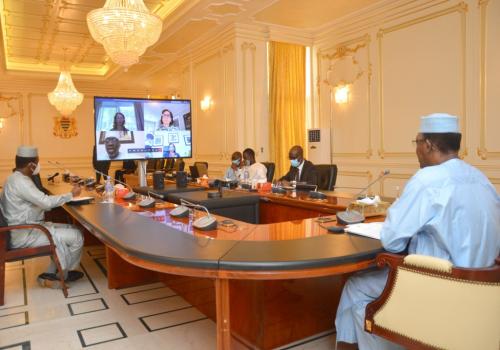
x,y
167,121
119,122
170,152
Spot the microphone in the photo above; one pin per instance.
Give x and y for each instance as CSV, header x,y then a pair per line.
x,y
130,195
66,174
317,195
51,177
204,223
349,217
149,202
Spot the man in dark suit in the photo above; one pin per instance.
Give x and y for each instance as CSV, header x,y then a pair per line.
x,y
301,170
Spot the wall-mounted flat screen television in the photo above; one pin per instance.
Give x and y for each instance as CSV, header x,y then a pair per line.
x,y
134,128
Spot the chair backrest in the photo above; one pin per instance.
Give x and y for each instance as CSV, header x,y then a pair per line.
x,y
202,168
427,304
179,164
4,237
270,166
327,176
151,165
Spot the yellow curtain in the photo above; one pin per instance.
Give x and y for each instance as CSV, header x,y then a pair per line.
x,y
287,84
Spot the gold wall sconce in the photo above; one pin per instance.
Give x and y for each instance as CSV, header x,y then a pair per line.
x,y
206,104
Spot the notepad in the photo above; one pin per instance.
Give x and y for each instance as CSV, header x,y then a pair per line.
x,y
370,230
81,200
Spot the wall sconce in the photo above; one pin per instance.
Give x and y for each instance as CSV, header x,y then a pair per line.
x,y
206,103
1,124
342,94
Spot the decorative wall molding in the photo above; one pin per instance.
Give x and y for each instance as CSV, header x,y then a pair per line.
x,y
460,8
249,118
12,104
482,151
341,50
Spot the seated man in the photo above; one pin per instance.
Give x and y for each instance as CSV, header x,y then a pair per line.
x,y
256,171
448,210
233,173
301,170
23,203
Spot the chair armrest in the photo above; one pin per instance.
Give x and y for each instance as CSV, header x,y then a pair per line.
x,y
46,232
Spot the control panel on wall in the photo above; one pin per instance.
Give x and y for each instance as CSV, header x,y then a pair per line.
x,y
318,145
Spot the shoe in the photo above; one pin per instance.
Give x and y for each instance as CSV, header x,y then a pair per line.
x,y
74,275
49,280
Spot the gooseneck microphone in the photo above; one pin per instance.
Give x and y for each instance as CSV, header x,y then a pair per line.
x,y
381,176
204,223
349,217
66,173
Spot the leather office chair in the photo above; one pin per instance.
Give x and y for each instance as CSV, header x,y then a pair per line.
x,y
270,166
327,176
10,255
429,304
202,168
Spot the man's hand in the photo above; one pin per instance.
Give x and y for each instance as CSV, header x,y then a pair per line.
x,y
76,190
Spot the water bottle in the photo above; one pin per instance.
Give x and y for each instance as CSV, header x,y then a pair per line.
x,y
246,175
109,195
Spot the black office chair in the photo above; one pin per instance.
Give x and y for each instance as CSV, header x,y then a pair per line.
x,y
202,168
327,176
270,166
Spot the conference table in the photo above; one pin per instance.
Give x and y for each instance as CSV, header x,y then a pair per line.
x,y
273,283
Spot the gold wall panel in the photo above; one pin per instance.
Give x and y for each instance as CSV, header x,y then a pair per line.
x,y
457,106
489,79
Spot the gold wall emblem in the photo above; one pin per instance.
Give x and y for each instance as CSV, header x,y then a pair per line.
x,y
65,127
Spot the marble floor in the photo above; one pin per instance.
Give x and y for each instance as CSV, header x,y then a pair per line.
x,y
144,317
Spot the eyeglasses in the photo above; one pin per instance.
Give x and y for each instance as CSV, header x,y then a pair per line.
x,y
417,141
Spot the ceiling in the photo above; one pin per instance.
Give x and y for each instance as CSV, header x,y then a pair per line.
x,y
39,35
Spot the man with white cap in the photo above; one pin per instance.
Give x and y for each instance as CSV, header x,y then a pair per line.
x,y
23,203
448,210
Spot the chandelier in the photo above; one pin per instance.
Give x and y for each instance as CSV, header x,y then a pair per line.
x,y
125,28
65,97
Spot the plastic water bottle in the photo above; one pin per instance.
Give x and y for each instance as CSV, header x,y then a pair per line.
x,y
109,195
246,175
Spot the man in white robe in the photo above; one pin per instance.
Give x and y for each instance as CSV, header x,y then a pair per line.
x,y
23,203
448,210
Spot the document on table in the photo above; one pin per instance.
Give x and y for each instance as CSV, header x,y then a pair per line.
x,y
370,230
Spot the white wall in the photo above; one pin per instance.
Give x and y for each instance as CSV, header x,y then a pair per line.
x,y
414,61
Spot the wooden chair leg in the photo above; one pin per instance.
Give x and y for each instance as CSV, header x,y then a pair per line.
x,y
61,272
2,281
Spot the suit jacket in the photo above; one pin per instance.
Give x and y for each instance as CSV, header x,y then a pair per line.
x,y
309,173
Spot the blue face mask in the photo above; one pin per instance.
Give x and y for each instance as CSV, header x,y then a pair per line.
x,y
236,162
295,163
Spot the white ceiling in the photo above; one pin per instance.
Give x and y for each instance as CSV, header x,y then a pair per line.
x,y
39,35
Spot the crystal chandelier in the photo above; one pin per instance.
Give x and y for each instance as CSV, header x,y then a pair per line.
x,y
125,28
65,97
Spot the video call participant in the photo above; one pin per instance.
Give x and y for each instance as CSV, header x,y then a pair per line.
x,y
301,170
23,203
112,145
99,165
169,152
119,122
448,210
233,173
167,121
256,171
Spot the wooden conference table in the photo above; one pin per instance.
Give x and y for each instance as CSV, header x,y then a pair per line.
x,y
274,282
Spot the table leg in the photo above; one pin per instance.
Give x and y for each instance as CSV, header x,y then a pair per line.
x,y
223,316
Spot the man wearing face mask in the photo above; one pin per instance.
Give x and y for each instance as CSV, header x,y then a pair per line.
x,y
301,170
256,171
233,173
23,203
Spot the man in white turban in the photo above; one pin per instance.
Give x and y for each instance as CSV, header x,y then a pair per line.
x,y
23,203
448,210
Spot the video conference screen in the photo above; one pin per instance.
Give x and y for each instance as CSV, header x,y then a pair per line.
x,y
127,128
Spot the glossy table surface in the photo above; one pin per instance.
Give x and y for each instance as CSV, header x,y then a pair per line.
x,y
153,235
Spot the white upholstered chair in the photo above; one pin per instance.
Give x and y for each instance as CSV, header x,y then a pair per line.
x,y
429,304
